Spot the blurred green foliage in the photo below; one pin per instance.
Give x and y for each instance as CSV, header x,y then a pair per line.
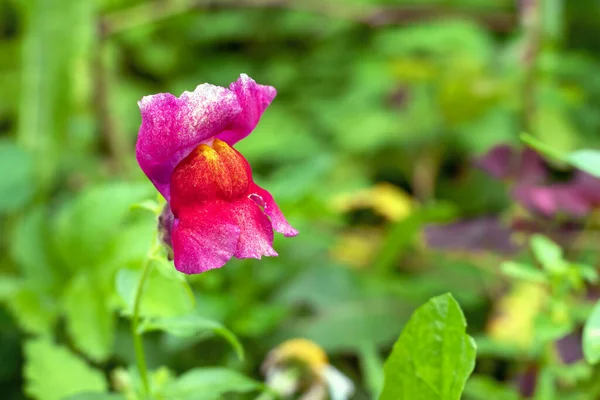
x,y
369,91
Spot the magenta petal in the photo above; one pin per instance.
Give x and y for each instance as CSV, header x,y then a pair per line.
x,y
172,127
496,161
204,237
278,221
256,234
254,99
552,199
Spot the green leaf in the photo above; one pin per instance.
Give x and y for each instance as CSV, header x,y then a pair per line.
x,y
548,253
542,147
484,388
30,249
193,325
433,356
552,125
347,325
371,366
586,160
34,311
401,234
52,75
546,385
154,302
9,286
52,372
17,178
96,396
209,383
591,336
523,272
85,227
90,322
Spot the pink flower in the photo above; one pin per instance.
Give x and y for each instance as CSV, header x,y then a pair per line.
x,y
215,210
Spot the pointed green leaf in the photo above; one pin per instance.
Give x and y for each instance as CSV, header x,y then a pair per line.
x,y
433,356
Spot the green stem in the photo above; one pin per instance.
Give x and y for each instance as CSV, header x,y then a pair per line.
x,y
135,319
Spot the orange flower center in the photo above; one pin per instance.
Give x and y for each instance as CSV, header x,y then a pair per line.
x,y
207,173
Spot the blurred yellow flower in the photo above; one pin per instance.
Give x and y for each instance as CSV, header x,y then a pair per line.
x,y
514,318
300,367
383,198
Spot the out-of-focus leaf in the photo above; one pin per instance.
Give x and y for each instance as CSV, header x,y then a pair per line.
x,y
346,326
86,226
481,387
9,286
320,287
193,325
52,372
30,249
553,327
402,233
545,387
17,182
591,336
585,160
372,369
34,310
440,38
267,141
50,60
523,272
552,126
96,396
154,302
208,384
548,253
90,322
433,356
260,320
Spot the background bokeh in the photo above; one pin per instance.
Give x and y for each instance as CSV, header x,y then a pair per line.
x,y
374,148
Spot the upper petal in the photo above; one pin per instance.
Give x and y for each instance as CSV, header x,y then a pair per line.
x,y
254,99
172,127
264,199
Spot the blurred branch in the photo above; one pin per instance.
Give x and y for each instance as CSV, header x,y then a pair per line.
x,y
529,11
375,16
111,135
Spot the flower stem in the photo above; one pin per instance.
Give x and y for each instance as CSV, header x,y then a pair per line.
x,y
135,319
